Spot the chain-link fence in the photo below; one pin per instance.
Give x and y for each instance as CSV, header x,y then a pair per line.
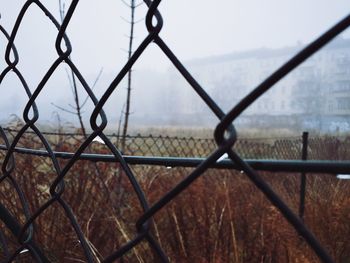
x,y
56,201
279,148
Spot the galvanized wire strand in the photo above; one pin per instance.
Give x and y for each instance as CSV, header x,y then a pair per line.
x,y
280,73
63,56
228,143
292,218
7,170
12,223
30,123
15,228
248,100
3,242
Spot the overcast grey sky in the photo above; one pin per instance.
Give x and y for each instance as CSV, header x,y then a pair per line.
x,y
192,28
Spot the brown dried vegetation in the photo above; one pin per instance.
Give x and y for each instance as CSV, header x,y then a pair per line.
x,y
221,217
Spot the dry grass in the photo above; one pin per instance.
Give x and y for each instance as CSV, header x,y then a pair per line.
x,y
221,217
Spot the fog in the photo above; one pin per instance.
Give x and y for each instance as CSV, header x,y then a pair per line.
x,y
194,30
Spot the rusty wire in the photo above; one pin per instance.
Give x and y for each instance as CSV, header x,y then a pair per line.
x,y
225,137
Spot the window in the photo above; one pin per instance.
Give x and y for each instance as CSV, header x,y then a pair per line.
x,y
282,105
343,103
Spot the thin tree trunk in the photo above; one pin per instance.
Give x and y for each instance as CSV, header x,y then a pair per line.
x,y
128,95
78,108
74,82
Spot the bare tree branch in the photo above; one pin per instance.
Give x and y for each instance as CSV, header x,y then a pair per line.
x,y
63,109
73,107
72,82
140,20
126,51
127,21
125,3
139,4
92,87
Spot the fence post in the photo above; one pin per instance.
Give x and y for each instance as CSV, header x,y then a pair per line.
x,y
303,176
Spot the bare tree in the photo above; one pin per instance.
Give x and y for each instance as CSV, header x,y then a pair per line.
x,y
133,5
75,109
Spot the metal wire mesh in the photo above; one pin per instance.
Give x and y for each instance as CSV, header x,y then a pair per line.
x,y
23,227
279,148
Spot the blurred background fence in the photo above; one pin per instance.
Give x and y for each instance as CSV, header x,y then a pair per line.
x,y
283,148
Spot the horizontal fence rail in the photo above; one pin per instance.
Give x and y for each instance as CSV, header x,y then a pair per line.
x,y
54,189
282,148
311,166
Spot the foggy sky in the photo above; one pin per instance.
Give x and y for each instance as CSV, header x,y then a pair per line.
x,y
192,28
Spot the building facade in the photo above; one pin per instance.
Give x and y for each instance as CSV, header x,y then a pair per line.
x,y
316,95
